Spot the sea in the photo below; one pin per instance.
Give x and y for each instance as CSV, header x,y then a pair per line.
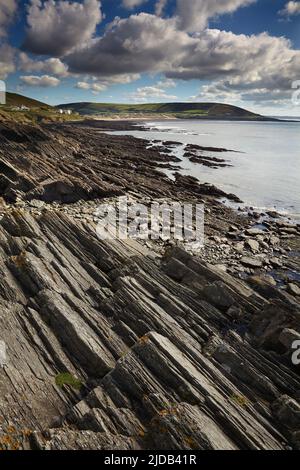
x,y
265,159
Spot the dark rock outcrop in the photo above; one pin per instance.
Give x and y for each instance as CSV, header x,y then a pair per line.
x,y
66,164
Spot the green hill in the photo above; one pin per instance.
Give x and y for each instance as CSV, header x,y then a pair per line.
x,y
14,99
180,110
38,112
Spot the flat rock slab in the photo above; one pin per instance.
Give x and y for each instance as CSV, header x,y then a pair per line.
x,y
253,263
253,232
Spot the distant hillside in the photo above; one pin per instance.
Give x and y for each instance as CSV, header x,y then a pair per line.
x,y
13,99
38,112
182,110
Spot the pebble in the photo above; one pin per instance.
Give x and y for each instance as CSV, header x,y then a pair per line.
x,y
293,289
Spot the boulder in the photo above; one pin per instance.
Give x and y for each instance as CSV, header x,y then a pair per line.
x,y
276,262
274,241
293,289
262,279
252,244
273,214
253,232
264,285
289,230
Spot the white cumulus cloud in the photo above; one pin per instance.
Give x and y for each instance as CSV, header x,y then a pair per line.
x,y
193,15
7,60
97,86
290,9
52,66
150,44
254,67
44,81
57,27
8,9
157,91
130,4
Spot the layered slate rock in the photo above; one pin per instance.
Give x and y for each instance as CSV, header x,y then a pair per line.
x,y
170,353
113,346
66,164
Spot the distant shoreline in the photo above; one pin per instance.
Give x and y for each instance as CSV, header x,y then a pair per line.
x,y
121,118
161,111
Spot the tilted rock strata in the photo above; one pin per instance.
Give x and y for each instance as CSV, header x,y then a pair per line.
x,y
159,352
66,164
171,353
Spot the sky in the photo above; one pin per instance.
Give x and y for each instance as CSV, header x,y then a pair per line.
x,y
241,52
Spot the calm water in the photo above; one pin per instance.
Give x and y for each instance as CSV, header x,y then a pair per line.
x,y
266,169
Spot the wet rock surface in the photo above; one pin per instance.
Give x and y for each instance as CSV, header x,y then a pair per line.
x,y
201,155
136,345
64,163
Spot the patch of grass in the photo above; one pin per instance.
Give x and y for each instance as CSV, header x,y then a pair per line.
x,y
65,378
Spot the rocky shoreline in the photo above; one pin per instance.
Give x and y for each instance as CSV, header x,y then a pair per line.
x,y
138,344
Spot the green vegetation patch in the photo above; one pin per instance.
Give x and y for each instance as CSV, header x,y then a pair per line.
x,y
182,110
65,378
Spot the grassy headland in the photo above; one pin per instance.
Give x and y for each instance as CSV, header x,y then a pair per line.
x,y
164,110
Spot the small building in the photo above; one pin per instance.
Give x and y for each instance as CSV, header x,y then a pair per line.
x,y
65,111
20,108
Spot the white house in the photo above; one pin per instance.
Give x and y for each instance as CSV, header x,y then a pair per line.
x,y
65,111
20,108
